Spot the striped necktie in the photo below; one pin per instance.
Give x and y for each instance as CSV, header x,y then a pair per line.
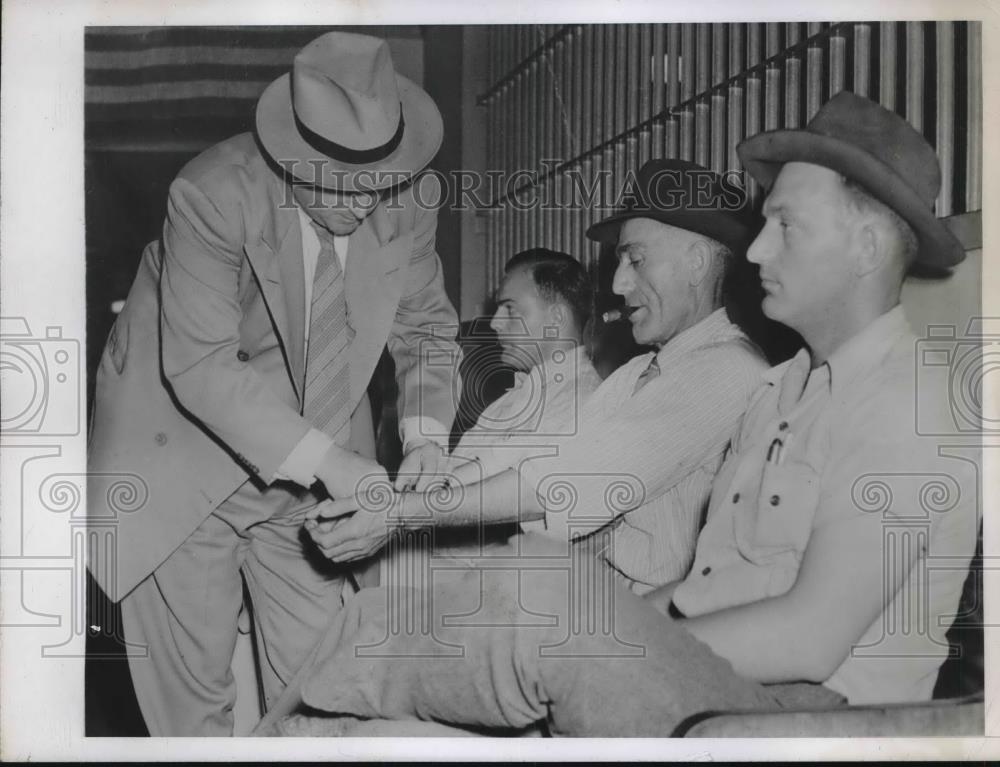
x,y
328,383
647,375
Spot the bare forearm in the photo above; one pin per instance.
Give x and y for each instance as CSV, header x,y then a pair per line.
x,y
504,497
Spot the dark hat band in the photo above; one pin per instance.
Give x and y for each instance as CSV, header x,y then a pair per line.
x,y
352,156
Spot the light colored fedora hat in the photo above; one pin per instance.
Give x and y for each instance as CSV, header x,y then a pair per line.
x,y
345,120
875,148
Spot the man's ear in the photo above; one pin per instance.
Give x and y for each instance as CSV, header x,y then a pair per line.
x,y
699,258
871,248
558,315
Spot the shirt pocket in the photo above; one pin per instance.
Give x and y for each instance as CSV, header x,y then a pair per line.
x,y
785,508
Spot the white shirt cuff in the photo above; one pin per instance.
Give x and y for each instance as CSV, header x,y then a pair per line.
x,y
422,428
301,464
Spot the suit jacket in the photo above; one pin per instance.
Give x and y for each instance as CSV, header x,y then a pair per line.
x,y
200,385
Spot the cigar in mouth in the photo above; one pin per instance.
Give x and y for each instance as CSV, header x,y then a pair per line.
x,y
619,314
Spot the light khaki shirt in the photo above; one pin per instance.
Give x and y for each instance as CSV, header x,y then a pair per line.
x,y
820,447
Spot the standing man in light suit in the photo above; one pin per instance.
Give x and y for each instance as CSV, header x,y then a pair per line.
x,y
233,385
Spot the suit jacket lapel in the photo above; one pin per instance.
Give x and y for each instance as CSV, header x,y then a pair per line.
x,y
276,259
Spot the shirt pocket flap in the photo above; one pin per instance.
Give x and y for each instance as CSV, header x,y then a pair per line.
x,y
786,505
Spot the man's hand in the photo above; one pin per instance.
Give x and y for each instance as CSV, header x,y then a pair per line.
x,y
343,472
357,529
421,465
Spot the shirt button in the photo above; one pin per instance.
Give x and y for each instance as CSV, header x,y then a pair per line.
x,y
783,426
706,571
160,438
736,497
775,500
242,356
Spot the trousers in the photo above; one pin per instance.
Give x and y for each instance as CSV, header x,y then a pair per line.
x,y
506,644
185,613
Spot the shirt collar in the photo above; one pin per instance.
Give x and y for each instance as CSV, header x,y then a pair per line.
x,y
856,356
865,350
714,328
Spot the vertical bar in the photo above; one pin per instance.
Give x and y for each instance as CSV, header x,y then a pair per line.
x,y
755,43
814,75
734,133
635,90
737,60
838,57
621,100
656,103
755,39
576,64
719,69
646,90
607,107
717,136
562,101
587,104
753,127
772,78
945,143
621,78
673,54
793,79
974,127
772,98
887,64
915,74
686,69
610,71
862,58
702,114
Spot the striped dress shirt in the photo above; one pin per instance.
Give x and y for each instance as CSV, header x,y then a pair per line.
x,y
643,462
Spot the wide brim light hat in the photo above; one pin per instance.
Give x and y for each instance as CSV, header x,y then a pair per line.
x,y
688,196
875,148
344,119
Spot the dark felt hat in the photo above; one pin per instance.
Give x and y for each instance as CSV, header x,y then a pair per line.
x,y
686,195
875,148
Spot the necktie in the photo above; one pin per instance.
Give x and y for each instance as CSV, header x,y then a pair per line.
x,y
327,391
647,375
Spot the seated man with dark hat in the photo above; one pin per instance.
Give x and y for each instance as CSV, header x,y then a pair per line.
x,y
234,383
639,458
814,581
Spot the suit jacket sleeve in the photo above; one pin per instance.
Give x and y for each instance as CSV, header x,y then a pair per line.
x,y
422,338
200,319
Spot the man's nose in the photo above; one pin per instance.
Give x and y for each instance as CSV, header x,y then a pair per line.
x,y
499,324
622,283
761,249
